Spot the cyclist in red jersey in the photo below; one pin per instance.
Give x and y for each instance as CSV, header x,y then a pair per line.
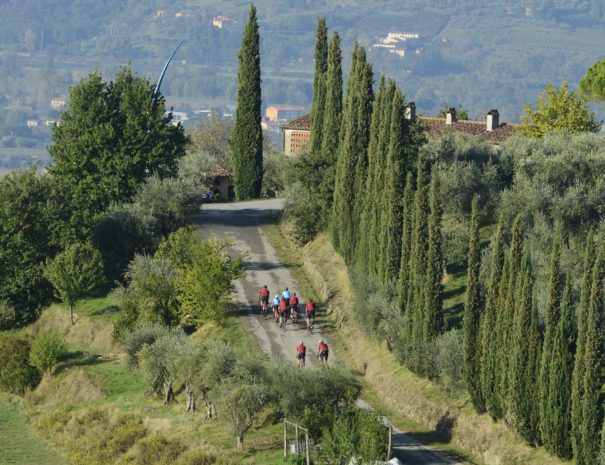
x,y
294,307
301,352
263,298
283,312
310,308
322,351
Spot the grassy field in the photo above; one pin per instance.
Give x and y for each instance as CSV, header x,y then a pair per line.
x,y
19,444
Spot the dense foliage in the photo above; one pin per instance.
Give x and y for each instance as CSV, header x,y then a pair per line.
x,y
17,374
247,136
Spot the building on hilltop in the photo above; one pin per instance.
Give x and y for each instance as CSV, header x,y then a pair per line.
x,y
283,113
297,133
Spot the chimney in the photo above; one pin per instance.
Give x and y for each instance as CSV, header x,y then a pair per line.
x,y
493,120
450,116
410,111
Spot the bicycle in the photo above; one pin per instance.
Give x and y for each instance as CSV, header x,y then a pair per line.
x,y
310,322
294,314
283,321
264,308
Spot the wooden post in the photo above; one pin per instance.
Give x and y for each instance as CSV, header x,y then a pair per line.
x,y
285,440
307,452
297,441
390,442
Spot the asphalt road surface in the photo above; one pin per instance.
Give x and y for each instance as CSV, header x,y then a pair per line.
x,y
241,223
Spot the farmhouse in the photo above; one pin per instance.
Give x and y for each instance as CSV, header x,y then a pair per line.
x,y
297,133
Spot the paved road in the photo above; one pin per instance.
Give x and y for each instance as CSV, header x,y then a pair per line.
x,y
241,222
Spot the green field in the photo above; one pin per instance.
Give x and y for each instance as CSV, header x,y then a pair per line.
x,y
19,444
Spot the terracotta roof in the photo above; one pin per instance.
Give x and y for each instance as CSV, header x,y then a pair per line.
x,y
286,107
217,172
435,127
302,122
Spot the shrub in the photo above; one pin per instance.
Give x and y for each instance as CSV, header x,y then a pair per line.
x,y
155,450
303,211
196,457
455,244
46,349
449,360
122,232
8,316
277,173
16,373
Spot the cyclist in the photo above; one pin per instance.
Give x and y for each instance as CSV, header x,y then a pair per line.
x,y
283,313
276,308
263,298
294,307
301,352
322,351
310,308
286,294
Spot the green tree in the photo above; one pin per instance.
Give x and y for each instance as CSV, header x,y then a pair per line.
x,y
319,85
433,319
555,422
472,314
403,280
579,369
489,333
74,272
461,113
548,423
46,350
522,367
352,157
558,110
247,136
109,140
28,236
16,372
592,382
415,305
592,84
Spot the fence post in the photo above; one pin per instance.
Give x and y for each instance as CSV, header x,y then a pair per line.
x,y
307,452
285,440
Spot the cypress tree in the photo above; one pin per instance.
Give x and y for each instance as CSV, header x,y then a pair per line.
x,y
534,366
342,207
418,266
592,383
555,422
488,326
352,158
506,317
403,280
333,105
548,423
603,445
433,314
472,314
247,136
376,232
522,368
331,125
319,85
577,387
370,194
392,218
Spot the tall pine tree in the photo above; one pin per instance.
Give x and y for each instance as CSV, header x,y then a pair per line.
x,y
592,382
352,157
247,137
548,423
319,85
472,314
555,416
488,374
403,281
577,387
522,367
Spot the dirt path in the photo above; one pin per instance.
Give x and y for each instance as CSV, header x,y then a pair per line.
x,y
241,222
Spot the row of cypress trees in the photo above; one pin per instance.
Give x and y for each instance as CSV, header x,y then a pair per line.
x,y
544,382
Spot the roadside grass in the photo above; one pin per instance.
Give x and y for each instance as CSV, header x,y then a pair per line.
x,y
19,443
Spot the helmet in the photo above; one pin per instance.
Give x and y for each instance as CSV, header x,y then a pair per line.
x,y
277,296
285,288
265,286
301,343
321,340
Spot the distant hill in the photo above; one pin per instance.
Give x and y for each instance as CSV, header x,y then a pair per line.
x,y
480,54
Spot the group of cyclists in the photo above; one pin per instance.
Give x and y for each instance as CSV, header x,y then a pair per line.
x,y
285,306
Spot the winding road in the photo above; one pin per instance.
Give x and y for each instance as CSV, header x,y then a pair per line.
x,y
241,223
